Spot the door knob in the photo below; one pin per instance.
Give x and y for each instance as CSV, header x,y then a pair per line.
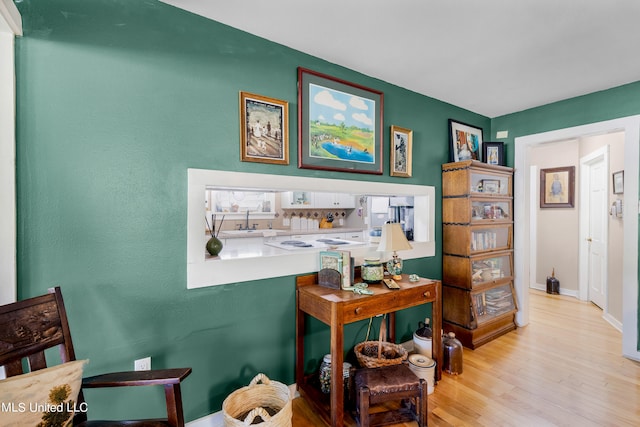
x,y
589,239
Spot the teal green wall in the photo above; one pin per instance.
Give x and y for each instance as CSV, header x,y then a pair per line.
x,y
115,100
621,101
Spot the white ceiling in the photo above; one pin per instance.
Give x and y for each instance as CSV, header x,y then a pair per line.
x,y
492,57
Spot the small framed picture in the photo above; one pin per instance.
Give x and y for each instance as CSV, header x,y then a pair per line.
x,y
264,129
557,187
465,141
618,182
493,153
491,186
401,147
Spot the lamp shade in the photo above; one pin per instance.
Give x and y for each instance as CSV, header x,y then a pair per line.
x,y
393,238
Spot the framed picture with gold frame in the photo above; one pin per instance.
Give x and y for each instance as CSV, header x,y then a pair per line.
x,y
401,147
264,129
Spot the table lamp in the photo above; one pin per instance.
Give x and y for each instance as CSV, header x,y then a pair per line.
x,y
393,239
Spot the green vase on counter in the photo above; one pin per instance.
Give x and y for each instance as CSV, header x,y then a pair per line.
x,y
214,246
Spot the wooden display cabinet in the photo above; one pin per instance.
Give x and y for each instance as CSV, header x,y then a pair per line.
x,y
479,303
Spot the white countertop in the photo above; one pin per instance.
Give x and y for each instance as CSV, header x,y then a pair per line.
x,y
234,234
251,245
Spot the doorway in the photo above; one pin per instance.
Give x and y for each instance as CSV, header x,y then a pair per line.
x,y
522,225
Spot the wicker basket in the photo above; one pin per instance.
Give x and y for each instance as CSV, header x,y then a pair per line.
x,y
391,354
375,354
263,402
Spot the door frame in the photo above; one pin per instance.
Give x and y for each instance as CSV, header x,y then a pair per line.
x,y
10,26
601,154
631,128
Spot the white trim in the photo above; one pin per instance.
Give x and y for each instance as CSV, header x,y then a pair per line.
x,y
203,272
631,127
8,273
11,19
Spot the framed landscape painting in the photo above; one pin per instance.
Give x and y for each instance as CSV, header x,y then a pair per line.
x,y
264,129
339,124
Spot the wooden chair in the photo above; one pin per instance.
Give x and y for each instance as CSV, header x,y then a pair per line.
x,y
29,327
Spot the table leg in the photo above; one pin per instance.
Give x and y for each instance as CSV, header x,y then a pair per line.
x,y
436,314
337,380
299,344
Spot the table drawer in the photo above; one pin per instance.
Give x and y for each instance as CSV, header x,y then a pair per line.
x,y
386,301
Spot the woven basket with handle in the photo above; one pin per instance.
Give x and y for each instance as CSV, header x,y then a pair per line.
x,y
375,354
263,402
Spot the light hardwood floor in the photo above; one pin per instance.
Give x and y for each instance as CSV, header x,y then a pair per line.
x,y
564,369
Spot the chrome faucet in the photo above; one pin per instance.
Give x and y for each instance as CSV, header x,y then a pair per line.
x,y
246,224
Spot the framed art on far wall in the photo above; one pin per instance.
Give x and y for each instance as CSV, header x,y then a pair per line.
x,y
401,148
339,124
618,182
493,153
557,187
465,141
264,129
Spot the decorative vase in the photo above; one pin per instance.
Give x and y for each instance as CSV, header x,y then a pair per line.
x,y
214,246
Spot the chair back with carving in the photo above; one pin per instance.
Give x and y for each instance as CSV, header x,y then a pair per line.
x,y
31,326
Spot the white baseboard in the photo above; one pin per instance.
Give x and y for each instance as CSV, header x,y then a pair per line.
x,y
566,292
613,321
217,418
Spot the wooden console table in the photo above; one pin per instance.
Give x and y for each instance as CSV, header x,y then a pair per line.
x,y
337,308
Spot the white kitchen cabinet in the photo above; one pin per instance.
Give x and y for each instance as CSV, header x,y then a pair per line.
x,y
296,199
334,200
357,236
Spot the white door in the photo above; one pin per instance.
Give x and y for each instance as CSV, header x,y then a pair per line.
x,y
597,235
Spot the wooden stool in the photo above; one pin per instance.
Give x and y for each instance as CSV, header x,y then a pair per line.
x,y
389,383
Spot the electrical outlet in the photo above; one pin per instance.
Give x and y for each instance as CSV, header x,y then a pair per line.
x,y
142,364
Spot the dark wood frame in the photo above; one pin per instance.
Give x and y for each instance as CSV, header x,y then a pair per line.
x,y
308,77
570,182
485,152
615,184
454,126
408,152
280,112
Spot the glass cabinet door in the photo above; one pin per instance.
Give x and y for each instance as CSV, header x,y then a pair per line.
x,y
492,303
490,211
491,269
464,240
490,184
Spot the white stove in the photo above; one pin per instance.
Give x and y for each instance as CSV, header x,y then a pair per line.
x,y
314,243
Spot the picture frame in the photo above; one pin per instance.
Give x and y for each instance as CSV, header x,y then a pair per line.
x,y
493,153
264,129
618,182
491,186
339,124
400,159
557,187
465,141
